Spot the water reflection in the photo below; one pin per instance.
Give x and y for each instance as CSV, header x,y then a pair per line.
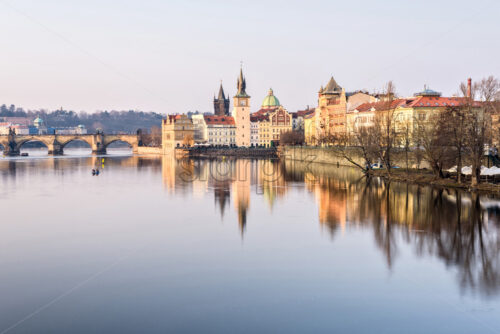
x,y
459,228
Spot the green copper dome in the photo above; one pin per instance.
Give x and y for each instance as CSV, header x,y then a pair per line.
x,y
270,101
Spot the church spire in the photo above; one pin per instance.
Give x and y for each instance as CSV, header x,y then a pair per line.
x,y
221,93
221,103
241,85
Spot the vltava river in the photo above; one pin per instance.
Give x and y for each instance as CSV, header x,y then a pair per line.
x,y
239,246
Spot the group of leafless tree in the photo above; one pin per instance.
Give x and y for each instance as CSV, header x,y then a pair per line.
x,y
458,134
292,137
151,138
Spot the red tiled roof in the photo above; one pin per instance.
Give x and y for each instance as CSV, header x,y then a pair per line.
x,y
219,120
257,117
304,112
417,102
171,118
266,110
381,105
174,117
435,101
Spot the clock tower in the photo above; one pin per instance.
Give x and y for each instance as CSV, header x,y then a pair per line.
x,y
241,112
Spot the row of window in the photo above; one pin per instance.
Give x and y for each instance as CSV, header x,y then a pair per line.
x,y
221,140
221,133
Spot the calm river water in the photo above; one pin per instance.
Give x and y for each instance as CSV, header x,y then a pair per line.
x,y
239,246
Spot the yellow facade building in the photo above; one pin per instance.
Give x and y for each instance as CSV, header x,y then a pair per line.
x,y
273,125
330,115
271,121
332,107
177,131
406,113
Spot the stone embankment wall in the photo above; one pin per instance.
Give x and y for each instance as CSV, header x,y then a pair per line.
x,y
149,150
242,152
331,155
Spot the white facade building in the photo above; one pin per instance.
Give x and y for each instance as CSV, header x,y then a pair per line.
x,y
221,130
200,128
77,130
254,132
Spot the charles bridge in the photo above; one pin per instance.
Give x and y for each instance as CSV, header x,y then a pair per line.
x,y
55,143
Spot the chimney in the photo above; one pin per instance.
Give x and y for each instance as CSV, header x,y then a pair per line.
x,y
469,87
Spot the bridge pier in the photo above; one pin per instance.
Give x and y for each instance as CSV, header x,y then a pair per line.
x,y
10,146
100,151
98,146
11,152
55,149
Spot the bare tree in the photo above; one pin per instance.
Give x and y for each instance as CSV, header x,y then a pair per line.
x,y
292,138
478,136
155,136
455,121
358,142
384,128
478,119
489,89
463,89
435,152
489,93
406,139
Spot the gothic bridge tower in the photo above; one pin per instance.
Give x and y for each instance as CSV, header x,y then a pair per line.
x,y
221,104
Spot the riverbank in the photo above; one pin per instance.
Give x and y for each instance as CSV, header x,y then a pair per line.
x,y
421,176
426,177
149,150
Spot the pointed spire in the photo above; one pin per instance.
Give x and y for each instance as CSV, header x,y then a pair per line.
x,y
221,96
241,85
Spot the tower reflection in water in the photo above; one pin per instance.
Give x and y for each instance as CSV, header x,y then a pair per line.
x,y
461,229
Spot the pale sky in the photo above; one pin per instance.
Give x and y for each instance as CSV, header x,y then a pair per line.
x,y
169,56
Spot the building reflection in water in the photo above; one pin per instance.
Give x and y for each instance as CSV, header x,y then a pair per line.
x,y
461,229
218,176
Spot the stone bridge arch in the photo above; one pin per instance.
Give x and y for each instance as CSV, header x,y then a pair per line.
x,y
65,140
56,143
21,140
132,140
